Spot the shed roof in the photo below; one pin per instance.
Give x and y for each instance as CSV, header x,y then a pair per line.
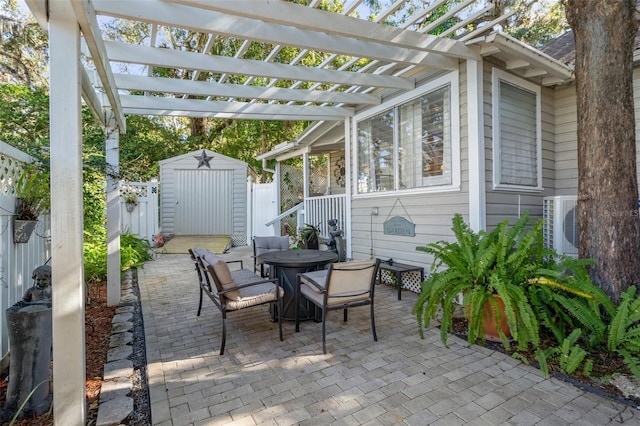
x,y
196,155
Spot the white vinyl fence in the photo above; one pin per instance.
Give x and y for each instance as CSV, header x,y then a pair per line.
x,y
142,218
17,261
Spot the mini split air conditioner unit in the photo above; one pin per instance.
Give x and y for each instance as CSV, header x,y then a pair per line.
x,y
560,230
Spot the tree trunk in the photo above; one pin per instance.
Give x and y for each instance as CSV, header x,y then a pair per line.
x,y
609,228
199,128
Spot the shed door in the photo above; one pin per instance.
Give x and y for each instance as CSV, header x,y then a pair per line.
x,y
204,202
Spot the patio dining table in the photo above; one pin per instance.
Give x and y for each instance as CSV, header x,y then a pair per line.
x,y
285,265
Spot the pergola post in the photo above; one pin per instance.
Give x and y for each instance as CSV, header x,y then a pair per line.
x,y
349,186
475,140
69,371
113,212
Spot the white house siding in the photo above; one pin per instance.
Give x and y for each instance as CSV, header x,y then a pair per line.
x,y
430,212
169,191
505,204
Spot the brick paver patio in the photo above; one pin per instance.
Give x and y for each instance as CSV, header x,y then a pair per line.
x,y
401,379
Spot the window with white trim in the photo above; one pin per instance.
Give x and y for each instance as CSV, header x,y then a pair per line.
x,y
517,142
409,145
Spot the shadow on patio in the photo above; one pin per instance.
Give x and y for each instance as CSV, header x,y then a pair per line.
x,y
401,379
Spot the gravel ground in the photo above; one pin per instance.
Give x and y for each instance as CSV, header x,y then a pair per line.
x,y
140,392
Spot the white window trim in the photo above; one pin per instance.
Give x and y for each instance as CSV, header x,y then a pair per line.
x,y
498,75
452,79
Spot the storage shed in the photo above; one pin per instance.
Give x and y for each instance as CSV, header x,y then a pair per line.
x,y
204,193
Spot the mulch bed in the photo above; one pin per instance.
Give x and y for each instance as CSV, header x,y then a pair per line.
x,y
97,334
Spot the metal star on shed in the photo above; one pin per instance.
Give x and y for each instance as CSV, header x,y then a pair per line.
x,y
203,159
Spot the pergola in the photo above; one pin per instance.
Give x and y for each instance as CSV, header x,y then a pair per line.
x,y
363,61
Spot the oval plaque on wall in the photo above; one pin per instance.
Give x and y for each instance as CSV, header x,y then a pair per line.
x,y
398,225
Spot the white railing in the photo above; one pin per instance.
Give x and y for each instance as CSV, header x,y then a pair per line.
x,y
297,210
17,261
318,210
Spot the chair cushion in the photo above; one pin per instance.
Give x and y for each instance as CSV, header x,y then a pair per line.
x,y
266,244
310,293
221,271
316,277
255,295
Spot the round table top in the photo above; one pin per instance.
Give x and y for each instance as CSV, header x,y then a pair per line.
x,y
298,258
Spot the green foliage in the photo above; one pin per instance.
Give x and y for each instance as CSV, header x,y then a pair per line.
x,y
538,287
24,114
543,293
538,24
570,355
23,47
32,192
560,311
479,265
623,336
308,236
133,252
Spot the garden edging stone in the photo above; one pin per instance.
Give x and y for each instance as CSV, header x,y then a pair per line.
x,y
115,403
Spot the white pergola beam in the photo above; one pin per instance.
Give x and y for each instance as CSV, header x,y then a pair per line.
x,y
207,88
176,15
198,105
121,52
88,22
291,14
224,115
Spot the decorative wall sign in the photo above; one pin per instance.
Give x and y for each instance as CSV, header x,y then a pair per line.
x,y
203,159
398,225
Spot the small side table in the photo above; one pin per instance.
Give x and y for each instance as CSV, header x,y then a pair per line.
x,y
398,269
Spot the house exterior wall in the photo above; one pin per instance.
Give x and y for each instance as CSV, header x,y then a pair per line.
x,y
169,191
431,212
510,204
566,131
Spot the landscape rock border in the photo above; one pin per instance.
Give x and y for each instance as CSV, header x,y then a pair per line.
x,y
124,397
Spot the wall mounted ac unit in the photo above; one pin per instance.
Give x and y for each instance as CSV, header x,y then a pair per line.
x,y
560,230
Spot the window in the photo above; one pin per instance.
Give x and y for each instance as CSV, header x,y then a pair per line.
x,y
375,159
410,145
517,148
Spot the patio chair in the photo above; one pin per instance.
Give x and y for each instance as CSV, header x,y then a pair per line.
x,y
344,285
263,245
235,290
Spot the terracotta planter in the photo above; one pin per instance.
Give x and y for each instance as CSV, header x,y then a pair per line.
x,y
491,326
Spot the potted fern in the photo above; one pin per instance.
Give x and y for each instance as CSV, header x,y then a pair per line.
x,y
309,237
490,272
33,198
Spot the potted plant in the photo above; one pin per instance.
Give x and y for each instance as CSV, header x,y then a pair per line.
x,y
130,201
308,237
33,198
490,271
